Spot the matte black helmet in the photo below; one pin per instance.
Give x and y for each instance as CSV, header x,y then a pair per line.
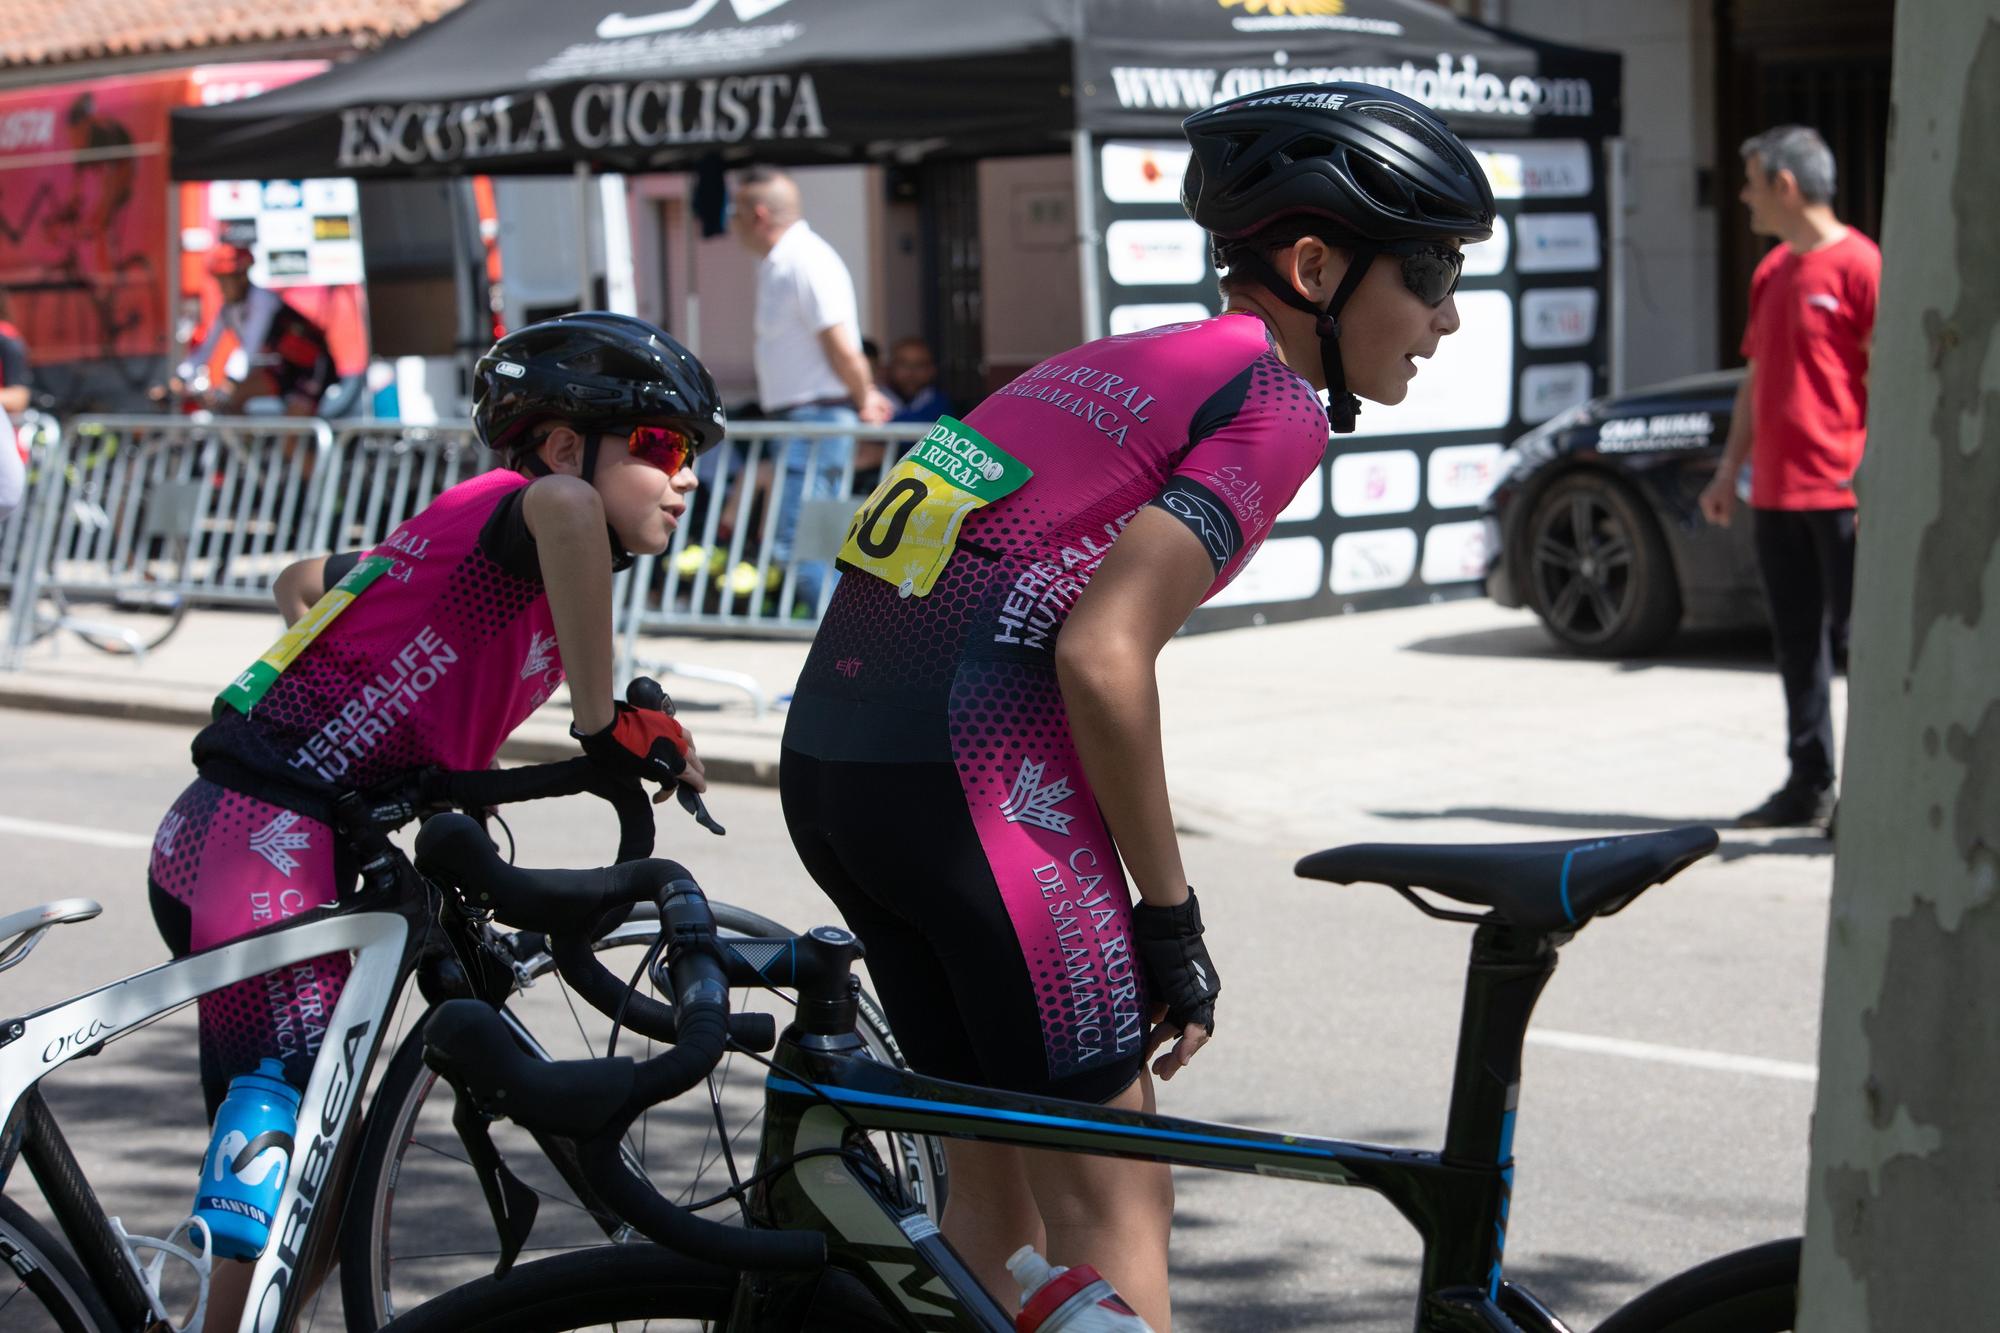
x,y
593,368
1366,167
1379,165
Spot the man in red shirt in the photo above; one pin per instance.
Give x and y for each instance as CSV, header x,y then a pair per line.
x,y
1801,419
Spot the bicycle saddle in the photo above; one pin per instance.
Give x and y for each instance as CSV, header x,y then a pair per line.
x,y
1543,886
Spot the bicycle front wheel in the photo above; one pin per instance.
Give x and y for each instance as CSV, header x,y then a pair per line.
x,y
1751,1291
42,1290
417,1224
611,1287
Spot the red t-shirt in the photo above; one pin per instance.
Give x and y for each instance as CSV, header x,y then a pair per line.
x,y
1811,316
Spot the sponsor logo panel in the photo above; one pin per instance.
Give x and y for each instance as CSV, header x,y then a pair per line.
x,y
1467,385
1545,169
1556,243
1376,483
1309,500
1489,256
1286,569
1463,474
1373,561
1143,172
1156,253
1455,552
1547,390
1156,315
1558,316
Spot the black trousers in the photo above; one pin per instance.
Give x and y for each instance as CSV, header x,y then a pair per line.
x,y
1807,560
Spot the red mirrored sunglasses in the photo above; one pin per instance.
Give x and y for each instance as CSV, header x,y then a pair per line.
x,y
663,447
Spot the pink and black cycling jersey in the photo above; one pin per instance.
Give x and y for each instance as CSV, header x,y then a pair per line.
x,y
433,664
1202,420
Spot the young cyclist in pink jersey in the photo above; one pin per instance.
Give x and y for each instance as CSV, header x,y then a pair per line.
x,y
427,652
974,745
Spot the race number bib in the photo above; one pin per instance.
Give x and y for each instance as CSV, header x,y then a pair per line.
x,y
906,530
243,693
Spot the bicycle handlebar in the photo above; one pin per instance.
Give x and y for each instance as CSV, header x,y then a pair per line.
x,y
569,907
595,1101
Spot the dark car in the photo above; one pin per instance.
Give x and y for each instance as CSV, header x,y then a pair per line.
x,y
1597,528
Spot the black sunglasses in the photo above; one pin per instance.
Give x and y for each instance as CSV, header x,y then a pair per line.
x,y
1430,268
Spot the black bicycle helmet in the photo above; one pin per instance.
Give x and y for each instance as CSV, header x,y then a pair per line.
x,y
593,368
1379,167
598,371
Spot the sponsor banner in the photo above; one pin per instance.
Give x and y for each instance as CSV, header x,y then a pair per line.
x,y
1556,243
1285,569
1490,255
1462,475
1125,319
1376,483
1451,83
1156,253
83,215
1467,385
1547,390
1143,173
1373,561
1540,169
299,233
1455,552
1666,431
1558,317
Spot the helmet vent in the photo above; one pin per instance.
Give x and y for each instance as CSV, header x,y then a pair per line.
x,y
1389,190
1416,129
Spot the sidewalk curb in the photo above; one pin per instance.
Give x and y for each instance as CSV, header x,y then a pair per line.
x,y
26,697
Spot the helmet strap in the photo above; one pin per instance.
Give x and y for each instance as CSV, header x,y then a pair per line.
x,y
1342,407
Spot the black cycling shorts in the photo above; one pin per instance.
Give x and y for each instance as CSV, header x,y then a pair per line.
x,y
895,847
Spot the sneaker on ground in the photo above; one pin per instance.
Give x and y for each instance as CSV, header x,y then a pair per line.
x,y
1790,807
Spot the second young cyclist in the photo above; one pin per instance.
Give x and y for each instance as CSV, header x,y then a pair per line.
x,y
974,746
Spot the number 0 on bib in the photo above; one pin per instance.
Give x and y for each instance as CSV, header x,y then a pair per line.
x,y
904,533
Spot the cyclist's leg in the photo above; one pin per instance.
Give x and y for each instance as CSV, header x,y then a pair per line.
x,y
225,864
1112,1213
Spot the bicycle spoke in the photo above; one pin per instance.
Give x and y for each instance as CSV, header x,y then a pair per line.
x,y
563,1199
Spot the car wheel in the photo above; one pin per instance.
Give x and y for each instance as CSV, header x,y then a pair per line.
x,y
1598,574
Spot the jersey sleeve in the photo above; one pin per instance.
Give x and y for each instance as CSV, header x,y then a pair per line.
x,y
13,363
1256,441
506,538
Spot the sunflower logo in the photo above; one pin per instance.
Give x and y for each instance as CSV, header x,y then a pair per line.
x,y
1275,7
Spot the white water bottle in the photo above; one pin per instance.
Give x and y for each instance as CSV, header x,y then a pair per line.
x,y
1068,1300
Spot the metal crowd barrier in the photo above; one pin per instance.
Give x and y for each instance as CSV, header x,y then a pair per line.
x,y
213,510
40,434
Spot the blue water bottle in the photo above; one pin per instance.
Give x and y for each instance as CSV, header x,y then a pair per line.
x,y
248,1161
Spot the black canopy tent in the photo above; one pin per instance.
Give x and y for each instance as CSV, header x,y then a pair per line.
x,y
506,87
525,86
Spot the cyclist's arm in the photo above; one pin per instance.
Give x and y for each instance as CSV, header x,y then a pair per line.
x,y
302,583
566,519
1154,578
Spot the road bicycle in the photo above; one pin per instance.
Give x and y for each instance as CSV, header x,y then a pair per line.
x,y
830,1242
381,1205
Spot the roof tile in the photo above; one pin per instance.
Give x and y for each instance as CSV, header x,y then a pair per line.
x,y
49,32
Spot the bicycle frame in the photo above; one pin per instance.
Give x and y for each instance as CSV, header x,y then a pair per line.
x,y
386,944
1456,1199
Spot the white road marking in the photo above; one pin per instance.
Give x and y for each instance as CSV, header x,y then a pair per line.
x,y
95,837
1674,1055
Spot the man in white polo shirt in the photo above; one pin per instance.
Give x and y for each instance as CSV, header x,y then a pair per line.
x,y
808,357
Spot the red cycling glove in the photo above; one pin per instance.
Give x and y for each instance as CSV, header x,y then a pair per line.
x,y
639,743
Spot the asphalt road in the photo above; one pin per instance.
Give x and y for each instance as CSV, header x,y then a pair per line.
x,y
1664,1104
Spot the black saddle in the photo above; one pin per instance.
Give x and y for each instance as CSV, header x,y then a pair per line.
x,y
1542,886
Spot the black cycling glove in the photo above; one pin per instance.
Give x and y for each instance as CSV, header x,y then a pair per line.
x,y
1177,963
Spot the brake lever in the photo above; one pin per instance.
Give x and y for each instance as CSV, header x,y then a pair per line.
x,y
691,802
512,1203
645,692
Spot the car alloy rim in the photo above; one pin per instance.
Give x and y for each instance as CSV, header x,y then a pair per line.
x,y
1582,563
